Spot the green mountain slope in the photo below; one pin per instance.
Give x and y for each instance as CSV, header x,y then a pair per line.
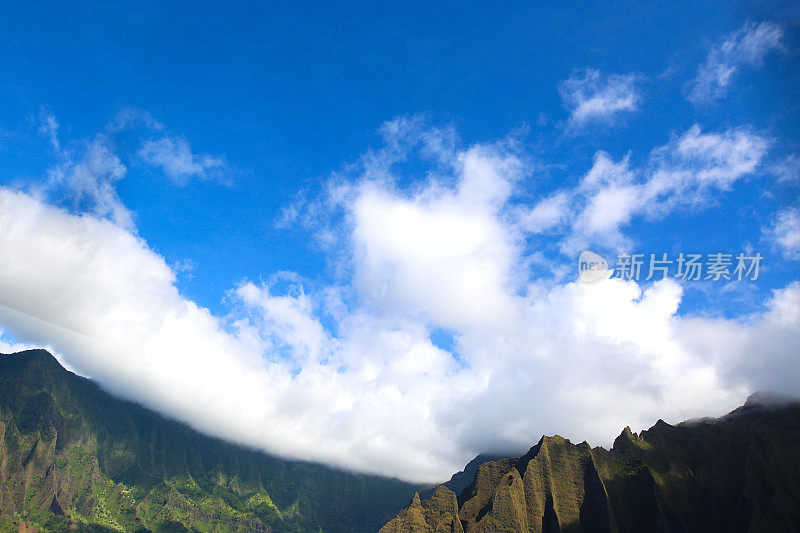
x,y
737,473
73,457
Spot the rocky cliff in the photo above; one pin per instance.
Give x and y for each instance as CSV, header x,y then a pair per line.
x,y
737,473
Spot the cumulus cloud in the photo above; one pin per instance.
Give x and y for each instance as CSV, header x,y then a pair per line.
x,y
348,374
594,97
784,232
745,47
175,157
269,376
763,350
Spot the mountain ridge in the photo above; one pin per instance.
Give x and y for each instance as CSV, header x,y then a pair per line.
x,y
74,456
738,472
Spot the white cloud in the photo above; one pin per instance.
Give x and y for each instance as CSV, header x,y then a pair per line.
x,y
606,199
87,172
593,96
549,213
689,169
787,169
132,118
89,183
686,172
48,125
764,350
179,163
784,232
442,253
85,177
372,392
746,46
9,346
108,304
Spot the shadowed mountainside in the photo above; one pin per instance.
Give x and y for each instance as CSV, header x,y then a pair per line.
x,y
72,457
740,472
461,480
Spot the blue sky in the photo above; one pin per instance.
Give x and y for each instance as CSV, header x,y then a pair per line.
x,y
293,177
288,95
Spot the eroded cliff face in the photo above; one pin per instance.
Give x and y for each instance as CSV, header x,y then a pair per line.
x,y
737,473
439,514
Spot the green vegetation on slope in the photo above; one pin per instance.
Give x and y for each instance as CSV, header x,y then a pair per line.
x,y
73,457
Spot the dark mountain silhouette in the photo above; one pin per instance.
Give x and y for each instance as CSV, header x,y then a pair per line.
x,y
74,458
740,472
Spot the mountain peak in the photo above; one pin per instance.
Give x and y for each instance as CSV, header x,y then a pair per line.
x,y
769,399
35,354
461,480
38,360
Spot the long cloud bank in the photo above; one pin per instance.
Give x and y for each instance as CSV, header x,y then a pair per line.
x,y
349,375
